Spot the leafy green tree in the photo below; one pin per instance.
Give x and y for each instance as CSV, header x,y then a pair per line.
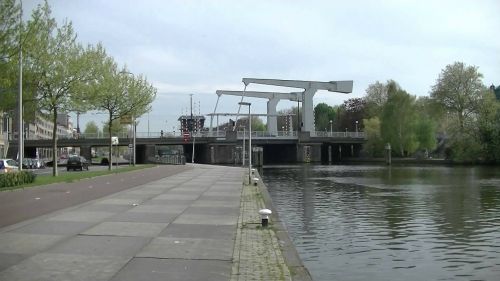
x,y
323,113
488,123
425,130
458,89
349,112
374,145
375,98
9,47
58,64
118,94
91,128
398,120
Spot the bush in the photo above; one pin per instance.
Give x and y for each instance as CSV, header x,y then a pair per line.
x,y
16,178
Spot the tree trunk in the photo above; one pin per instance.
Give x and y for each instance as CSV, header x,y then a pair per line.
x,y
54,144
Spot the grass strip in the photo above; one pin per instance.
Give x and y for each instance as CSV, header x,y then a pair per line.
x,y
76,176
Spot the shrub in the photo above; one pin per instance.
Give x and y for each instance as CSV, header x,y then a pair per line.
x,y
16,178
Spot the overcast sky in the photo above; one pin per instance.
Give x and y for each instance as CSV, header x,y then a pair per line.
x,y
198,47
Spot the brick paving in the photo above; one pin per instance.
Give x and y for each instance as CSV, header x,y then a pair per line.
x,y
256,255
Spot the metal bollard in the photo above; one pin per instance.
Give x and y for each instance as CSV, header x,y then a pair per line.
x,y
255,181
264,214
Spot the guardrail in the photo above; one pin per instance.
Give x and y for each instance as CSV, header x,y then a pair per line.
x,y
323,134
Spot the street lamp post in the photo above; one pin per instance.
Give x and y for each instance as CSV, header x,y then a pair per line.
x,y
356,128
243,148
249,141
331,127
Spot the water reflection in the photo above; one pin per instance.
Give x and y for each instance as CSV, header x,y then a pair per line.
x,y
386,223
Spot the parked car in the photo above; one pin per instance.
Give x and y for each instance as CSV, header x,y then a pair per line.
x,y
77,163
38,163
28,163
8,165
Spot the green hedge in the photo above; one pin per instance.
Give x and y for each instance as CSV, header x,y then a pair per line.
x,y
16,178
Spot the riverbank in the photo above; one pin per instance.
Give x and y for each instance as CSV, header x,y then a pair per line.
x,y
263,253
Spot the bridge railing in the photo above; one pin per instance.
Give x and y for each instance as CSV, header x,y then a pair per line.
x,y
323,134
215,134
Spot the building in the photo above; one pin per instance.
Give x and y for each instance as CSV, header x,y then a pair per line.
x,y
41,128
192,122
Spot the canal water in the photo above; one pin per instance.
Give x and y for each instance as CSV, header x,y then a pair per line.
x,y
391,223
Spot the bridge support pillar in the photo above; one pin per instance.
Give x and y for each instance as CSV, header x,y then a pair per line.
x,y
329,154
222,154
307,153
86,151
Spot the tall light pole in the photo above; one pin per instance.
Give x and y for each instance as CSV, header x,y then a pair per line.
x,y
331,127
249,141
243,148
20,103
356,128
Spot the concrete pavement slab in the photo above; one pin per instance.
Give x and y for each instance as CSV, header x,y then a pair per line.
x,y
199,231
211,210
105,208
188,248
174,270
85,216
147,190
173,196
155,201
8,260
144,217
109,246
169,209
118,201
23,243
142,229
215,203
230,219
67,228
64,267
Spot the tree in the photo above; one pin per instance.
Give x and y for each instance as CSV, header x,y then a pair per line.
x,y
119,94
458,89
59,67
488,123
323,113
375,98
9,47
91,128
398,120
374,145
350,111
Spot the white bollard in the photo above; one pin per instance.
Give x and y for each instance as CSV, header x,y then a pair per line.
x,y
255,181
264,214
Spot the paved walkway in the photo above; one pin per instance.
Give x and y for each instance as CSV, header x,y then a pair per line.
x,y
188,226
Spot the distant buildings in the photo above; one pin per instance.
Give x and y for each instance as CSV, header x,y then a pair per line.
x,y
41,128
